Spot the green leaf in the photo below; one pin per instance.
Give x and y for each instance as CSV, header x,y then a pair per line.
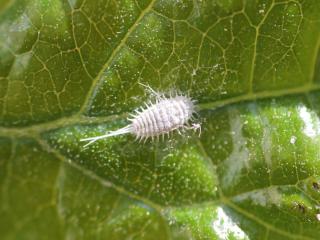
x,y
71,69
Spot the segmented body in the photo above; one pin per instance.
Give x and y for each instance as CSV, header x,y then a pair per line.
x,y
156,119
166,115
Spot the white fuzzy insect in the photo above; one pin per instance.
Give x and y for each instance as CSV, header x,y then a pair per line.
x,y
164,116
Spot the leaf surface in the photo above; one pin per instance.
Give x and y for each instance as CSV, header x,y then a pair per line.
x,y
71,69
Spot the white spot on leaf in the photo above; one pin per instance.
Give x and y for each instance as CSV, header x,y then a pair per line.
x,y
238,159
224,226
263,197
311,129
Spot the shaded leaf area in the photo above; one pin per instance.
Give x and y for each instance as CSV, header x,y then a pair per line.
x,y
60,58
253,173
71,203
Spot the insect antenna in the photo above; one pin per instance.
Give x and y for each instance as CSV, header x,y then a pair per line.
x,y
150,89
90,140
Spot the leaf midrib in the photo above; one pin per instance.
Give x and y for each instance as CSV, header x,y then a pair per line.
x,y
36,129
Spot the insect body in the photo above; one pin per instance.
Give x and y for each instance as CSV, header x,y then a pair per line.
x,y
157,119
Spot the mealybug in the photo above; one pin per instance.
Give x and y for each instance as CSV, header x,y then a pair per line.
x,y
156,119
